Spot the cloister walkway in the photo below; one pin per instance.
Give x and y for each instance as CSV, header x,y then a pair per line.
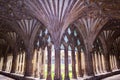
x,y
115,77
2,77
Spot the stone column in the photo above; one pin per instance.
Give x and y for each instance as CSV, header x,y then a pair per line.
x,y
14,61
29,62
57,64
17,69
117,60
49,64
88,64
100,65
66,64
4,62
0,61
5,59
36,63
74,76
107,62
98,61
80,74
19,62
112,62
23,62
94,63
102,69
110,58
42,76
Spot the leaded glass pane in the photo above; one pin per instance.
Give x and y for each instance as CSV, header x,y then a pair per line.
x,y
66,39
69,31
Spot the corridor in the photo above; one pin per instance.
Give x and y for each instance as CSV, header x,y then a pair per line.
x,y
115,77
5,78
59,39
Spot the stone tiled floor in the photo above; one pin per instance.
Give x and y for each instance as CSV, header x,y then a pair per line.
x,y
5,78
115,77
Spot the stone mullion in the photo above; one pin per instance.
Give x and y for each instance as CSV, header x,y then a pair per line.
x,y
37,63
14,61
98,62
98,71
49,64
100,66
42,64
103,62
80,74
19,62
66,64
23,62
34,62
5,60
1,61
94,63
74,76
112,61
102,69
7,66
117,60
107,62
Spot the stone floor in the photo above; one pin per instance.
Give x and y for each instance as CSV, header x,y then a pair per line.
x,y
5,78
115,77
